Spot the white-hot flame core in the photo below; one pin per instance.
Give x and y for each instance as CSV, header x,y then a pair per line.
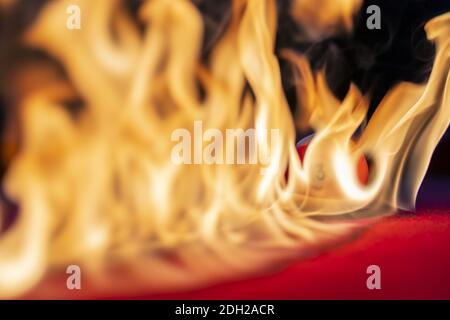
x,y
99,187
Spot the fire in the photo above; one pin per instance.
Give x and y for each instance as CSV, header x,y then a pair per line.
x,y
322,18
97,186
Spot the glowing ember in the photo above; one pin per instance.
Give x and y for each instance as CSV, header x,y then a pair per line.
x,y
98,187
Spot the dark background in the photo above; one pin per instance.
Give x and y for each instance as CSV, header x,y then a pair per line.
x,y
376,60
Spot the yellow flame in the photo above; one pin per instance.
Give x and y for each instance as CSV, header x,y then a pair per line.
x,y
323,18
99,188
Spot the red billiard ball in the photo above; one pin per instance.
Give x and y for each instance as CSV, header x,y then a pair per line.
x,y
362,168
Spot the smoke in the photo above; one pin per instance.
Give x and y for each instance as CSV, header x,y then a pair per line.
x,y
375,60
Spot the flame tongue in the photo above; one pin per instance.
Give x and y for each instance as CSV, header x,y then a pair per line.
x,y
100,184
319,23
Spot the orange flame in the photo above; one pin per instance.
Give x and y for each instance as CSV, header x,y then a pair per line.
x,y
322,18
98,186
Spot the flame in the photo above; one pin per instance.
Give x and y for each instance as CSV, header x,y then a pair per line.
x,y
322,18
97,186
5,4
